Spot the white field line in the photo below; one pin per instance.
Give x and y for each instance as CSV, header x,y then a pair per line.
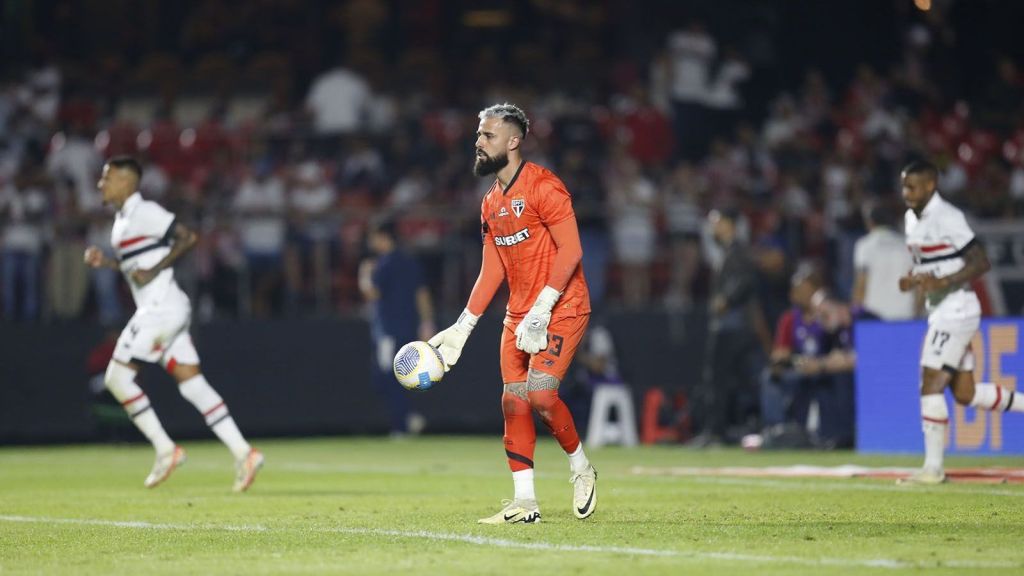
x,y
795,483
487,541
843,485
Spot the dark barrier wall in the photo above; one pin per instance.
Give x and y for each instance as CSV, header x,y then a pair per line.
x,y
299,377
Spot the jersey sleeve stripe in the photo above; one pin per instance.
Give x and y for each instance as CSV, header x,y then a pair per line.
x,y
143,250
958,254
132,241
935,248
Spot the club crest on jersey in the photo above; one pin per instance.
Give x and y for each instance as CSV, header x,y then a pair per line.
x,y
502,212
512,239
518,205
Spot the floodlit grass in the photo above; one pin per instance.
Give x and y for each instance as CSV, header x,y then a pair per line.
x,y
332,506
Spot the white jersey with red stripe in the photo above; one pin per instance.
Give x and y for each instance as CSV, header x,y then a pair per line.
x,y
141,237
937,240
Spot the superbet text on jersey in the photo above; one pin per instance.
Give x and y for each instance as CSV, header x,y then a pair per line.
x,y
516,221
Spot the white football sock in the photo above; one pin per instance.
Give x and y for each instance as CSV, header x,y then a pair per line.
x,y
578,462
147,421
199,392
934,421
120,380
991,397
523,480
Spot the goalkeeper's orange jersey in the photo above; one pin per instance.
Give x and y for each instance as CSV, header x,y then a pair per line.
x,y
516,221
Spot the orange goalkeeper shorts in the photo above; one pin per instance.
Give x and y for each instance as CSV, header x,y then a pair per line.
x,y
564,335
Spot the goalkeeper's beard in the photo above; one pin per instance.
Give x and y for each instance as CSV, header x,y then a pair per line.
x,y
486,165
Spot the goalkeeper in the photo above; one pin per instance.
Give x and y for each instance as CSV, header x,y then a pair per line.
x,y
530,239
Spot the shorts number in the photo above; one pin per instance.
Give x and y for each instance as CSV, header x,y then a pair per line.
x,y
556,349
939,339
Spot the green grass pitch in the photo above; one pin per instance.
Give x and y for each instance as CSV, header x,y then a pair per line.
x,y
374,506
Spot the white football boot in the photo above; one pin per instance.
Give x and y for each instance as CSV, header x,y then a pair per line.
x,y
246,469
924,477
515,512
164,465
584,492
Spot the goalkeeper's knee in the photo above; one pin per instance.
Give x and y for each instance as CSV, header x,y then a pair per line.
x,y
542,392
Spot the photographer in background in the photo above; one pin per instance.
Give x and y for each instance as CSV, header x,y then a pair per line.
x,y
811,362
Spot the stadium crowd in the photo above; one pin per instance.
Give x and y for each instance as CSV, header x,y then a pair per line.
x,y
280,154
280,130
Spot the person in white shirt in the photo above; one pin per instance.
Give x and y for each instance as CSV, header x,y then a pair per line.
x,y
880,258
260,205
23,208
311,232
339,102
947,258
691,52
148,241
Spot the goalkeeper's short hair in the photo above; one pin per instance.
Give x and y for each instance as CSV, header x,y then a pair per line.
x,y
508,113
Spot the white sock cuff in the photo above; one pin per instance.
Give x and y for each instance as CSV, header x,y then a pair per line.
x,y
934,409
199,392
523,483
993,397
987,396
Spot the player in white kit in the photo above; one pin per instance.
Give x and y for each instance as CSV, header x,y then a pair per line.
x,y
947,257
147,241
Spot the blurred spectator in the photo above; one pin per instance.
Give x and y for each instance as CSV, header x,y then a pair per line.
x,y
880,259
990,193
221,266
723,96
311,229
754,164
403,311
259,206
815,101
155,181
836,407
23,208
40,94
681,204
783,124
1017,184
412,189
590,204
691,53
632,198
953,176
339,101
67,278
729,396
643,129
74,159
362,170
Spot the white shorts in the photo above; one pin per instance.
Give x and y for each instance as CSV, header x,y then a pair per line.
x,y
158,336
948,343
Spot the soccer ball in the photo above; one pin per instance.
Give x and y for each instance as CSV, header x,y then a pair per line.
x,y
418,366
